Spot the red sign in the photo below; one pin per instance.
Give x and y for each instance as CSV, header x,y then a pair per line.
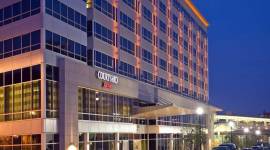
x,y
107,85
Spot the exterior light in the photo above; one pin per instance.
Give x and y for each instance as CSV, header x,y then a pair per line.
x,y
72,147
246,130
231,124
258,132
199,111
97,99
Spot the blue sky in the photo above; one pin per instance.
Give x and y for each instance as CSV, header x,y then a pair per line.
x,y
239,54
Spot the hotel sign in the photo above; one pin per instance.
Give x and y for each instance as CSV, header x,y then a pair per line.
x,y
107,77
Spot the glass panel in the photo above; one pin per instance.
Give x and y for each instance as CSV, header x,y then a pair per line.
x,y
27,96
8,102
2,104
17,106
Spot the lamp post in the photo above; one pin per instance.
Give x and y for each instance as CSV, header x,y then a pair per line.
x,y
231,124
246,131
258,133
199,112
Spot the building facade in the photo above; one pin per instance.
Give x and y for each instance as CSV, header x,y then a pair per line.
x,y
245,131
102,74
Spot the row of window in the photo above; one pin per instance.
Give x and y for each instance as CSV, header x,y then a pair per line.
x,y
18,11
66,14
20,44
105,34
107,62
65,46
127,45
127,22
21,141
106,8
20,75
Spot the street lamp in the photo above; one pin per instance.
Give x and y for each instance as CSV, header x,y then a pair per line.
x,y
258,133
246,131
231,124
72,147
200,112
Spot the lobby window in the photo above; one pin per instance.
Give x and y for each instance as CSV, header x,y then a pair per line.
x,y
127,69
18,11
105,34
65,46
162,45
32,142
20,44
127,22
106,8
147,35
162,64
20,94
104,61
147,14
175,87
147,56
66,14
162,26
52,91
127,45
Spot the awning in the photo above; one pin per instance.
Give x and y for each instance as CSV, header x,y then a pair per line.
x,y
182,106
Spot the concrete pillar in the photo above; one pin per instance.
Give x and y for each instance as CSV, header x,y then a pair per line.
x,y
171,142
86,145
68,104
117,141
210,126
183,142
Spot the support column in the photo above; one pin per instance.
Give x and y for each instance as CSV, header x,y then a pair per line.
x,y
171,142
210,126
86,145
183,142
117,142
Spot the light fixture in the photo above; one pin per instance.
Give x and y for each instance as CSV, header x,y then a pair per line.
x,y
231,124
246,130
199,111
258,132
97,99
72,147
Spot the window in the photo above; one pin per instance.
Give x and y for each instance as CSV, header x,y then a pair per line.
x,y
104,61
20,44
106,8
175,53
162,64
185,60
127,45
64,46
185,45
18,11
147,56
66,14
162,7
147,77
147,35
162,82
147,14
186,76
130,3
104,34
20,91
127,70
162,26
175,19
175,71
162,45
175,37
127,22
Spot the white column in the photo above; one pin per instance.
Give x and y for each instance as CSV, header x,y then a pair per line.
x,y
171,142
86,145
117,144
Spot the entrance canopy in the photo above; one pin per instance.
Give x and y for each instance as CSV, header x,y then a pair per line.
x,y
174,107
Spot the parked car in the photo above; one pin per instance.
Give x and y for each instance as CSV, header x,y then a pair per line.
x,y
257,148
221,148
231,146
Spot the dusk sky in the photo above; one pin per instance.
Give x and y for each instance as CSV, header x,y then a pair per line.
x,y
239,51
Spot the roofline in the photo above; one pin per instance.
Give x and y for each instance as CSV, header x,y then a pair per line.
x,y
234,117
196,12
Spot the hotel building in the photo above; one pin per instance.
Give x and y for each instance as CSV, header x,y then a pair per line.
x,y
103,74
